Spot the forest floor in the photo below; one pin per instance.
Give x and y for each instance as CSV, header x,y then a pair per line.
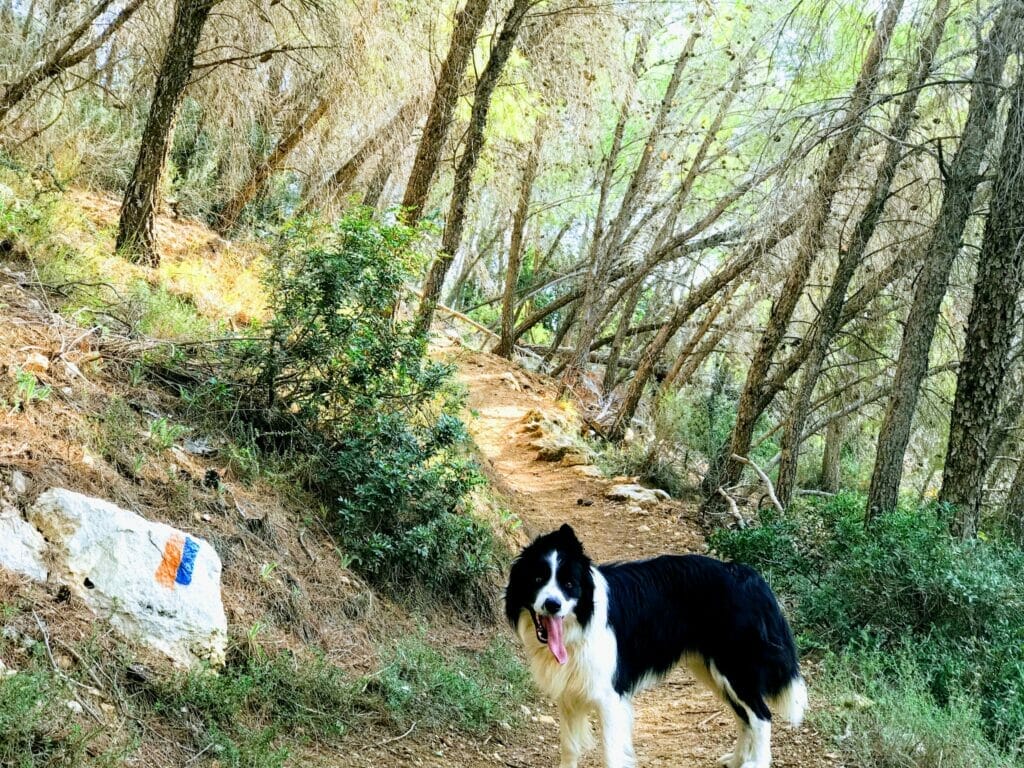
x,y
679,723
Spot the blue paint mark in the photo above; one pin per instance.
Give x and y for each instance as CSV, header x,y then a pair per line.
x,y
188,562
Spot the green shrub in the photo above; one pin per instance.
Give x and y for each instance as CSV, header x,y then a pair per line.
x,y
344,393
902,582
888,718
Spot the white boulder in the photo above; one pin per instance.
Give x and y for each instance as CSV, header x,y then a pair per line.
x,y
151,581
21,545
635,494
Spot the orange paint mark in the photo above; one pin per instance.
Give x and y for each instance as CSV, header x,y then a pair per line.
x,y
168,569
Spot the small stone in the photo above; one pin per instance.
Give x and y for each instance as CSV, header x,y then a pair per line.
x,y
589,470
525,710
36,363
75,707
546,720
19,483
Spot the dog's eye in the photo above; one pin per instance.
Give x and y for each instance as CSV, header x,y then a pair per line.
x,y
538,579
568,585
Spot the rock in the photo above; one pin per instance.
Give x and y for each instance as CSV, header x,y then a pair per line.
x,y
575,459
74,706
510,379
635,494
19,483
661,494
152,581
554,448
21,545
546,720
6,671
589,470
36,363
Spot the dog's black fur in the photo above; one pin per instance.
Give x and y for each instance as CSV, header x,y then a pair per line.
x,y
667,607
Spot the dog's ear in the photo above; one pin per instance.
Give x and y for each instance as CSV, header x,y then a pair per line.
x,y
567,531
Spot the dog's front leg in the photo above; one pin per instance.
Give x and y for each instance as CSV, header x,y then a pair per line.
x,y
574,733
617,732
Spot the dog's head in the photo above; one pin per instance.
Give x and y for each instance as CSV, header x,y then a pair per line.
x,y
551,580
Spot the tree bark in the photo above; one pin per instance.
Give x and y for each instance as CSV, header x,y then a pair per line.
x,y
446,95
135,228
506,343
475,135
831,311
994,320
961,183
725,470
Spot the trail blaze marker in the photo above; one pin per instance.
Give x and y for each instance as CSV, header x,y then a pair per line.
x,y
178,562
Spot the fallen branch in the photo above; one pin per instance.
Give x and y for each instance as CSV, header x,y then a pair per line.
x,y
733,509
764,479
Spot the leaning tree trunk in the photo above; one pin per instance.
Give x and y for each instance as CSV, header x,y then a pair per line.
x,y
446,95
515,251
456,219
726,470
135,229
832,308
993,322
272,163
961,183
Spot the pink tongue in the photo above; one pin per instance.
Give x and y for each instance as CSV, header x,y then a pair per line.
x,y
553,626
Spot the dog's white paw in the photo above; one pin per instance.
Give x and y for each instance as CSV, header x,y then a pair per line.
x,y
729,760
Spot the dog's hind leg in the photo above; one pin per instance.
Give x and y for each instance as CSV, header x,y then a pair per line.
x,y
574,733
617,731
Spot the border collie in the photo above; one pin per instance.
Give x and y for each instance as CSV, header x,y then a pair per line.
x,y
597,634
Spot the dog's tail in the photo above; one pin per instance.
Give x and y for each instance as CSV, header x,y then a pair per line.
x,y
791,702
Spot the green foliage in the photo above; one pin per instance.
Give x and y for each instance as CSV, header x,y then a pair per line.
x,y
345,392
163,433
902,583
473,690
38,729
28,390
256,702
883,706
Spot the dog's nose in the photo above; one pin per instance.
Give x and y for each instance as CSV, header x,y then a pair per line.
x,y
552,606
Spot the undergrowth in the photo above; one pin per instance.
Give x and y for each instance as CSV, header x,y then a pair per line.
x,y
260,711
931,627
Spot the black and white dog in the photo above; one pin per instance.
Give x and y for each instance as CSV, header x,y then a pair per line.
x,y
597,634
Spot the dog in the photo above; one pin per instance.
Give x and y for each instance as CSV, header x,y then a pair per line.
x,y
595,635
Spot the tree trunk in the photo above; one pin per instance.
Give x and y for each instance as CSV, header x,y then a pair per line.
x,y
831,457
1014,508
340,182
961,182
625,318
135,229
831,311
595,277
991,326
273,162
453,225
515,251
446,95
697,298
726,471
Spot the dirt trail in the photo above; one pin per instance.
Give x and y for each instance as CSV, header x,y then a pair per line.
x,y
679,723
